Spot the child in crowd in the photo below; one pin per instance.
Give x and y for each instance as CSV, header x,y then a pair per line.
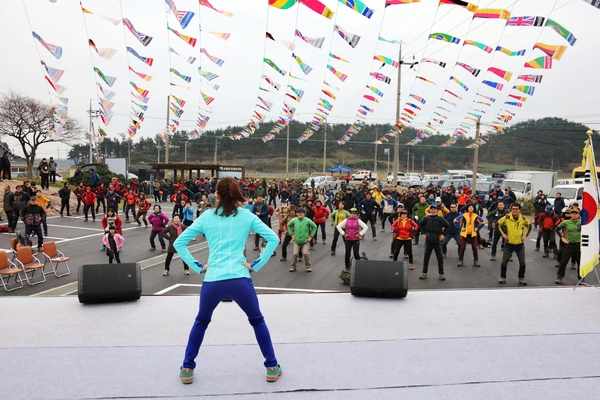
x,y
113,242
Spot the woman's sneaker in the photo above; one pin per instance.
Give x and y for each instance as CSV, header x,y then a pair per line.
x,y
273,373
187,375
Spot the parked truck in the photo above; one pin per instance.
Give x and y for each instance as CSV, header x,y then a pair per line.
x,y
526,184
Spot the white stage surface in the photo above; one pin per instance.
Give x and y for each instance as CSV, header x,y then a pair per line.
x,y
523,343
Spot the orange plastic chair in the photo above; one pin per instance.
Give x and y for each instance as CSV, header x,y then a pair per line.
x,y
8,269
55,257
29,263
13,245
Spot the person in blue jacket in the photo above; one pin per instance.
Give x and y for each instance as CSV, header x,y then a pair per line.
x,y
227,272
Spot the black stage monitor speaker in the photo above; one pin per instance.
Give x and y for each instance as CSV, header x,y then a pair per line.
x,y
379,278
102,283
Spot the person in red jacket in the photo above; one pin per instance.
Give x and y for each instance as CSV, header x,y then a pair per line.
x,y
143,206
88,198
129,198
403,229
320,218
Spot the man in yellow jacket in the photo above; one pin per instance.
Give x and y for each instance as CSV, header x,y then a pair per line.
x,y
514,229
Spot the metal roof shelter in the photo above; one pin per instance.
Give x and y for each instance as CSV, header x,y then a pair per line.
x,y
196,170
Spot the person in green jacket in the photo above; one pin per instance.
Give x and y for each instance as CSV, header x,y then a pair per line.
x,y
337,217
418,213
301,230
572,244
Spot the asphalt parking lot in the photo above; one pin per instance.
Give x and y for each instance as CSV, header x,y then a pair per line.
x,y
82,242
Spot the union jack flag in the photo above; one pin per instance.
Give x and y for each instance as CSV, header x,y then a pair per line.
x,y
525,21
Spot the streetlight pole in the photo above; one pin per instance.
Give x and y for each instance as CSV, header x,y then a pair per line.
x,y
376,137
167,137
475,158
216,147
325,150
287,153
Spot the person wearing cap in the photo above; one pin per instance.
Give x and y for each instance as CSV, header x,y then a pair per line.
x,y
452,232
368,209
261,210
514,228
282,226
493,217
441,208
349,199
490,205
469,224
336,218
302,230
433,227
388,207
566,215
403,229
546,222
33,215
572,244
44,173
27,188
540,202
352,229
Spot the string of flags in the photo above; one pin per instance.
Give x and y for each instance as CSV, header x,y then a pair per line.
x,y
481,81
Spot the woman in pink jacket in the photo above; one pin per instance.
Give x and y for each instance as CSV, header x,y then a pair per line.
x,y
113,242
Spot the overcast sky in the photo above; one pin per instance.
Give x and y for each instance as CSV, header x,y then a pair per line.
x,y
569,90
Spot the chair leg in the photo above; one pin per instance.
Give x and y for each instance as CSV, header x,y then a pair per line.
x,y
29,279
5,284
55,268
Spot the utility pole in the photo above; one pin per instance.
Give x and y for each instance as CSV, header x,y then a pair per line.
x,y
287,153
396,165
423,164
475,158
376,137
325,150
408,161
185,151
167,132
93,114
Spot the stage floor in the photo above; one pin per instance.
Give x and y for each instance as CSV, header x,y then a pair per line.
x,y
455,344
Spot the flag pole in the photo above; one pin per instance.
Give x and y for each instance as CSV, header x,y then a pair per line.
x,y
590,235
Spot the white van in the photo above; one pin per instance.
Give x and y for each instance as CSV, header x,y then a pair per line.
x,y
570,193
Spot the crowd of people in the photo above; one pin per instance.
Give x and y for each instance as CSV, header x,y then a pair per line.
x,y
434,215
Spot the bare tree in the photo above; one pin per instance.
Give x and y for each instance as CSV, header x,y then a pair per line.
x,y
31,122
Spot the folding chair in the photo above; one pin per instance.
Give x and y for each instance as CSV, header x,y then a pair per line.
x,y
8,269
13,245
55,257
29,263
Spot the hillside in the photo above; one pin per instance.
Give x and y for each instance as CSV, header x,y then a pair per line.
x,y
548,143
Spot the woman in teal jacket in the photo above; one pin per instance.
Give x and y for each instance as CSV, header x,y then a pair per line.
x,y
227,273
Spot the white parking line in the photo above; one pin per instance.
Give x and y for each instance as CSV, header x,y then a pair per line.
x,y
71,288
257,288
